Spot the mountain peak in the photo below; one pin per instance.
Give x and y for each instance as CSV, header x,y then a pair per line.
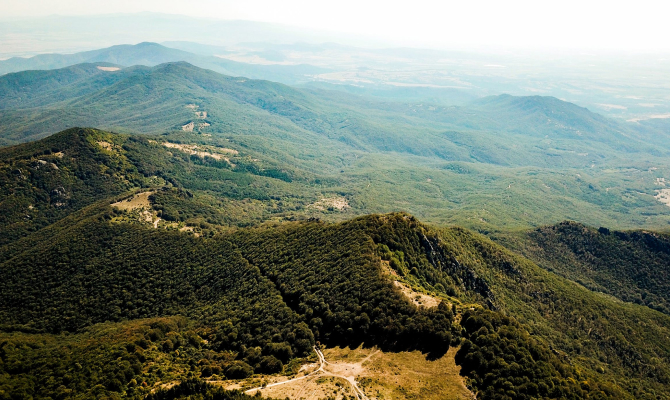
x,y
149,44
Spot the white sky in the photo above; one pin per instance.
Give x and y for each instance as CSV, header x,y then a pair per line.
x,y
640,25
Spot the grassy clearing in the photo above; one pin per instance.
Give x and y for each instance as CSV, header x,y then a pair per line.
x,y
381,375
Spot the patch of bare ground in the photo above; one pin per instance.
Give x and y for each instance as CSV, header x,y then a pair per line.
x,y
141,205
307,368
108,69
409,375
663,196
148,216
105,145
188,127
217,153
331,204
257,382
370,374
418,298
138,201
165,386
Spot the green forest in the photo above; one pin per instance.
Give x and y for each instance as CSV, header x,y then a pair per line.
x,y
135,306
630,265
235,226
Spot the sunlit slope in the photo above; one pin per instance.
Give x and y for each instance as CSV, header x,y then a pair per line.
x,y
155,100
624,342
47,180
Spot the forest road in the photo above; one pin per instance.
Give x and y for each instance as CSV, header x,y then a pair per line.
x,y
322,363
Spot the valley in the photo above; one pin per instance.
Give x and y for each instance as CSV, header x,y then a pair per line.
x,y
487,165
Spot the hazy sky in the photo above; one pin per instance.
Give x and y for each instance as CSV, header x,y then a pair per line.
x,y
578,24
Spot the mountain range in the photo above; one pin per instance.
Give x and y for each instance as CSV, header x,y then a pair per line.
x,y
490,163
171,232
152,54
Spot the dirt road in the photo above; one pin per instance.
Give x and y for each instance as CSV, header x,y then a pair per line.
x,y
322,361
347,372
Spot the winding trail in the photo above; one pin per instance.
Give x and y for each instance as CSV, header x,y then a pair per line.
x,y
351,379
321,371
322,361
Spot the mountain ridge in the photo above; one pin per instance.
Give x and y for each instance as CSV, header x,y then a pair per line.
x,y
316,110
302,287
150,54
128,55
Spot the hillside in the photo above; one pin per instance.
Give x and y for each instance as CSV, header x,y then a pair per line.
x,y
45,181
196,208
328,283
48,101
148,54
36,88
632,265
548,116
146,256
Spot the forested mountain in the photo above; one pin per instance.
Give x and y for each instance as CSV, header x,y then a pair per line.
x,y
148,54
42,183
134,242
278,289
550,117
166,250
238,226
45,181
